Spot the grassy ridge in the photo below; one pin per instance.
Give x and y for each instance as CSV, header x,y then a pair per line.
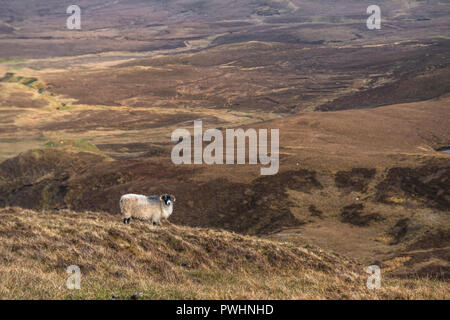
x,y
141,261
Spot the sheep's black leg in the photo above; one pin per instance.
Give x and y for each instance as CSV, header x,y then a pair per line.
x,y
126,221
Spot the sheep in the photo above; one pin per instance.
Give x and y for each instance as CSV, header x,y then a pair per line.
x,y
142,207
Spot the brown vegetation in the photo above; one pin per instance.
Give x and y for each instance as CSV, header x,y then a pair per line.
x,y
140,261
87,116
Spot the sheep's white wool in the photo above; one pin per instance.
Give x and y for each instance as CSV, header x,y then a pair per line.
x,y
143,207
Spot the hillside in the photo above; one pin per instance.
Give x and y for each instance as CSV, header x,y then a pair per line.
x,y
139,261
365,183
37,29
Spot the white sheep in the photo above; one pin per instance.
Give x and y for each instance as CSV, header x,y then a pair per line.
x,y
142,207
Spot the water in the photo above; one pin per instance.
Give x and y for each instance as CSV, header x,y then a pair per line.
x,y
448,150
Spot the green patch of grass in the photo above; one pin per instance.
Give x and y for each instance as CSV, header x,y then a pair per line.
x,y
80,145
85,145
16,60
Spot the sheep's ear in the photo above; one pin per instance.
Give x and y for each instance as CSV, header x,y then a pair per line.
x,y
161,198
171,196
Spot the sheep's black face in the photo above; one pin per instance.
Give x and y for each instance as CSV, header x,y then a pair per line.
x,y
167,199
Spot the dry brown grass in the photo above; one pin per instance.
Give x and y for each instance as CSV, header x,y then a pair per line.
x,y
167,262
